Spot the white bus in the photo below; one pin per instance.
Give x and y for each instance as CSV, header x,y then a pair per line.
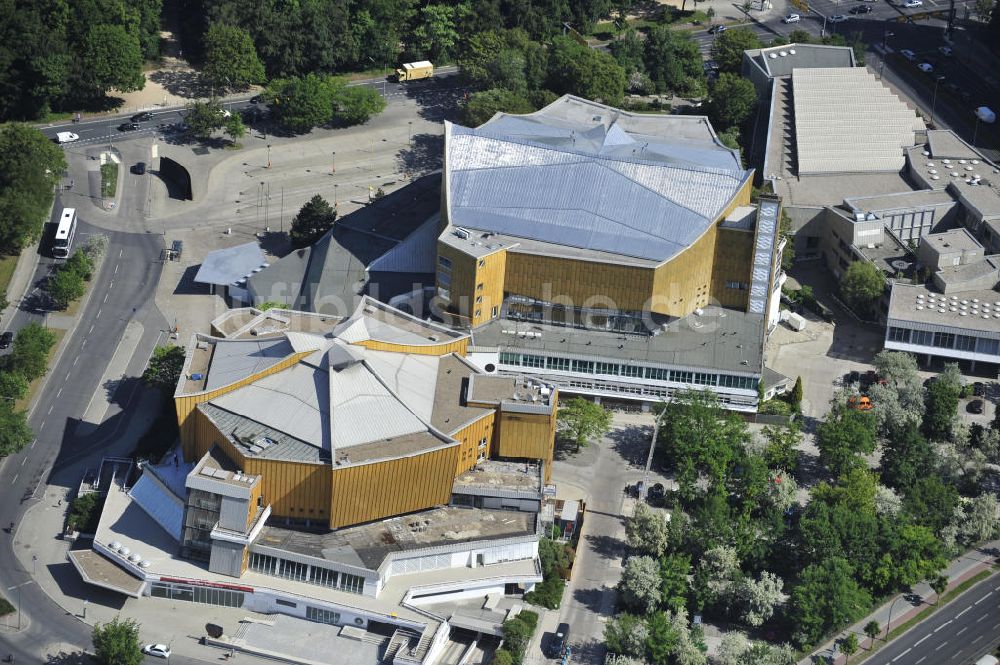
x,y
64,233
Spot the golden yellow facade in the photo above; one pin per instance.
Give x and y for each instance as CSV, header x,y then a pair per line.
x,y
732,271
528,436
469,439
378,490
299,490
459,346
691,279
185,405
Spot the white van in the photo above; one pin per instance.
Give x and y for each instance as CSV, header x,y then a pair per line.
x,y
988,660
66,137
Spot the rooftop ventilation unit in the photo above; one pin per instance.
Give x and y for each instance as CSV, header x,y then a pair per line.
x,y
462,233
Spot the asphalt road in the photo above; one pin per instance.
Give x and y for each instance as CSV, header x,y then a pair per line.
x,y
170,119
960,633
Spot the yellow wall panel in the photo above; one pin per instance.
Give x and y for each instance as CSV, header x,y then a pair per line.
x,y
294,489
459,346
378,490
468,439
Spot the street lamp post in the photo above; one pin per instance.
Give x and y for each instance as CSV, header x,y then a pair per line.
x,y
888,624
649,456
333,163
268,155
336,198
937,81
409,133
975,132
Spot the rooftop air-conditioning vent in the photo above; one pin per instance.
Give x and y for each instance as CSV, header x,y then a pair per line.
x,y
791,51
783,54
462,233
144,564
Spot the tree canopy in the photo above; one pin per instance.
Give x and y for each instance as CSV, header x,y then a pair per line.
x,y
733,99
165,368
314,219
231,57
117,642
30,167
581,420
862,285
728,47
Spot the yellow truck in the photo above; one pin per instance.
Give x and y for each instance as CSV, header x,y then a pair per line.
x,y
413,71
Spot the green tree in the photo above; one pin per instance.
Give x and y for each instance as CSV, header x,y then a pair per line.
x,y
117,642
30,355
906,458
628,50
849,645
872,630
15,433
204,118
939,584
503,657
626,634
941,408
301,103
517,633
65,286
673,62
586,72
862,285
931,502
30,167
844,435
825,597
436,35
797,392
733,99
314,219
728,47
581,420
640,584
13,386
674,571
110,59
780,446
354,105
165,368
234,127
231,57
481,106
661,640
646,530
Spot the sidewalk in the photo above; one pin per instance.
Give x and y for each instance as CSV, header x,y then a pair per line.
x,y
959,570
20,282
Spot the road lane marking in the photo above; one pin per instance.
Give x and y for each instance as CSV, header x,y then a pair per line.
x,y
977,639
77,359
59,393
901,655
995,626
67,376
52,406
961,631
91,329
963,611
111,285
917,643
922,659
34,442
981,618
120,252
943,645
116,268
15,478
98,316
105,297
942,625
84,344
988,594
23,460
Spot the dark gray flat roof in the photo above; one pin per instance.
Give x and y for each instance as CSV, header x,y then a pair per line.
x,y
228,266
720,339
368,545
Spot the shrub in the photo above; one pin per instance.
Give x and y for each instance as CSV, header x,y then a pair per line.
x,y
85,512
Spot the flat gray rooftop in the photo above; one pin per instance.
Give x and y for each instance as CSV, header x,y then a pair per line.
x,y
971,310
943,143
302,640
496,474
920,198
720,339
368,545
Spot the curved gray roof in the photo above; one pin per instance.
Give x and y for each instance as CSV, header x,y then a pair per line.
x,y
593,186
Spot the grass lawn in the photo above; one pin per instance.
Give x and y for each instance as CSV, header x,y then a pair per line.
x,y
5,607
7,265
109,179
34,385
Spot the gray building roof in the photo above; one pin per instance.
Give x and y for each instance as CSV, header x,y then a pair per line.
x,y
977,310
235,359
230,265
781,60
720,340
847,121
332,274
591,184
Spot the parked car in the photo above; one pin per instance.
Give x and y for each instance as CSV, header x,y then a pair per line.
x,y
925,67
908,54
791,18
978,389
656,492
945,51
837,18
716,29
158,650
139,168
975,406
128,127
986,114
557,647
6,339
142,117
910,4
255,99
67,137
852,378
861,9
